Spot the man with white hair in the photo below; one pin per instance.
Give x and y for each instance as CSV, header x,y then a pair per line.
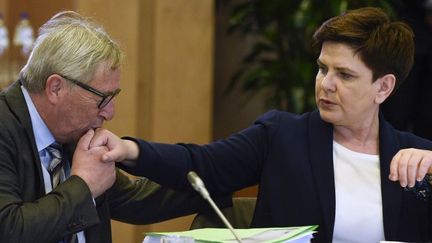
x,y
53,186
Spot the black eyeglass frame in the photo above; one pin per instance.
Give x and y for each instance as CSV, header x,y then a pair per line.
x,y
106,98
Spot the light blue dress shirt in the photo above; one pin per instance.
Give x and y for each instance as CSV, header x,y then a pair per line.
x,y
44,138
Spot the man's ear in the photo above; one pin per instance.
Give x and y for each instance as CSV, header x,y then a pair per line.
x,y
385,86
54,88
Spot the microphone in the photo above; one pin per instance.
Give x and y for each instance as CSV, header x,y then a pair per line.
x,y
198,185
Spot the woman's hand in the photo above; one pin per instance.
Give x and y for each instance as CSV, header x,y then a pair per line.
x,y
119,149
410,165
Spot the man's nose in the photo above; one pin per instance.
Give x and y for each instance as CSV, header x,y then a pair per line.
x,y
108,111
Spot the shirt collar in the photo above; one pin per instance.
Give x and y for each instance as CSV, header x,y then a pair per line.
x,y
42,134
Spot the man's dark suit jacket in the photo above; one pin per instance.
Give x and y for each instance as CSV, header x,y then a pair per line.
x,y
291,157
28,215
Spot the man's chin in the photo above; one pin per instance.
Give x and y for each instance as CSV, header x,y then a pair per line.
x,y
78,136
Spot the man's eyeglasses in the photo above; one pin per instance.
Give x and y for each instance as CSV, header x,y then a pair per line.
x,y
106,98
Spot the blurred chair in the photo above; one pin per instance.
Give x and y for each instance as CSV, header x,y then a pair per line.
x,y
239,215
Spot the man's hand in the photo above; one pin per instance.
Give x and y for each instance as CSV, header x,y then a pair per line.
x,y
118,149
410,165
87,164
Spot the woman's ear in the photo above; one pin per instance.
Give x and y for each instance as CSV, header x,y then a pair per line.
x,y
385,86
54,88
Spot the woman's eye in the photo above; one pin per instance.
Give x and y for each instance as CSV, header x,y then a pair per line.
x,y
345,76
322,69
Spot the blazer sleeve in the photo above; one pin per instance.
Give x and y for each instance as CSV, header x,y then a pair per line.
x,y
225,165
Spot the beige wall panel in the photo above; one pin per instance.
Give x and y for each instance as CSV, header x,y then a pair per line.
x,y
183,71
146,66
3,8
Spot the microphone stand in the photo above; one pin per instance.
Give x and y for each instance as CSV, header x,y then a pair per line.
x,y
198,185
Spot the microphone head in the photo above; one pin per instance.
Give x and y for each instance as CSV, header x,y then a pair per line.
x,y
192,177
195,180
197,183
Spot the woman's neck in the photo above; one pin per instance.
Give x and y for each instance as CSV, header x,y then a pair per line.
x,y
362,138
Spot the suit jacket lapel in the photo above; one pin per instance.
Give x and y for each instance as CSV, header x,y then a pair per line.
x,y
321,154
15,100
391,191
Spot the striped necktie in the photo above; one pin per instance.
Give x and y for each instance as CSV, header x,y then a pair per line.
x,y
55,167
56,171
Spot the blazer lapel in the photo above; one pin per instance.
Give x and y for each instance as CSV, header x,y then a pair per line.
x,y
321,154
391,191
16,101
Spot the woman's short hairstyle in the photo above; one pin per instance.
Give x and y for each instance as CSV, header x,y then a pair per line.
x,y
385,46
70,45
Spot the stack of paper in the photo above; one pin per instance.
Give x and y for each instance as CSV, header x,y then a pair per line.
x,y
301,234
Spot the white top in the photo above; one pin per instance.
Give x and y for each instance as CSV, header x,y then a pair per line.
x,y
358,216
